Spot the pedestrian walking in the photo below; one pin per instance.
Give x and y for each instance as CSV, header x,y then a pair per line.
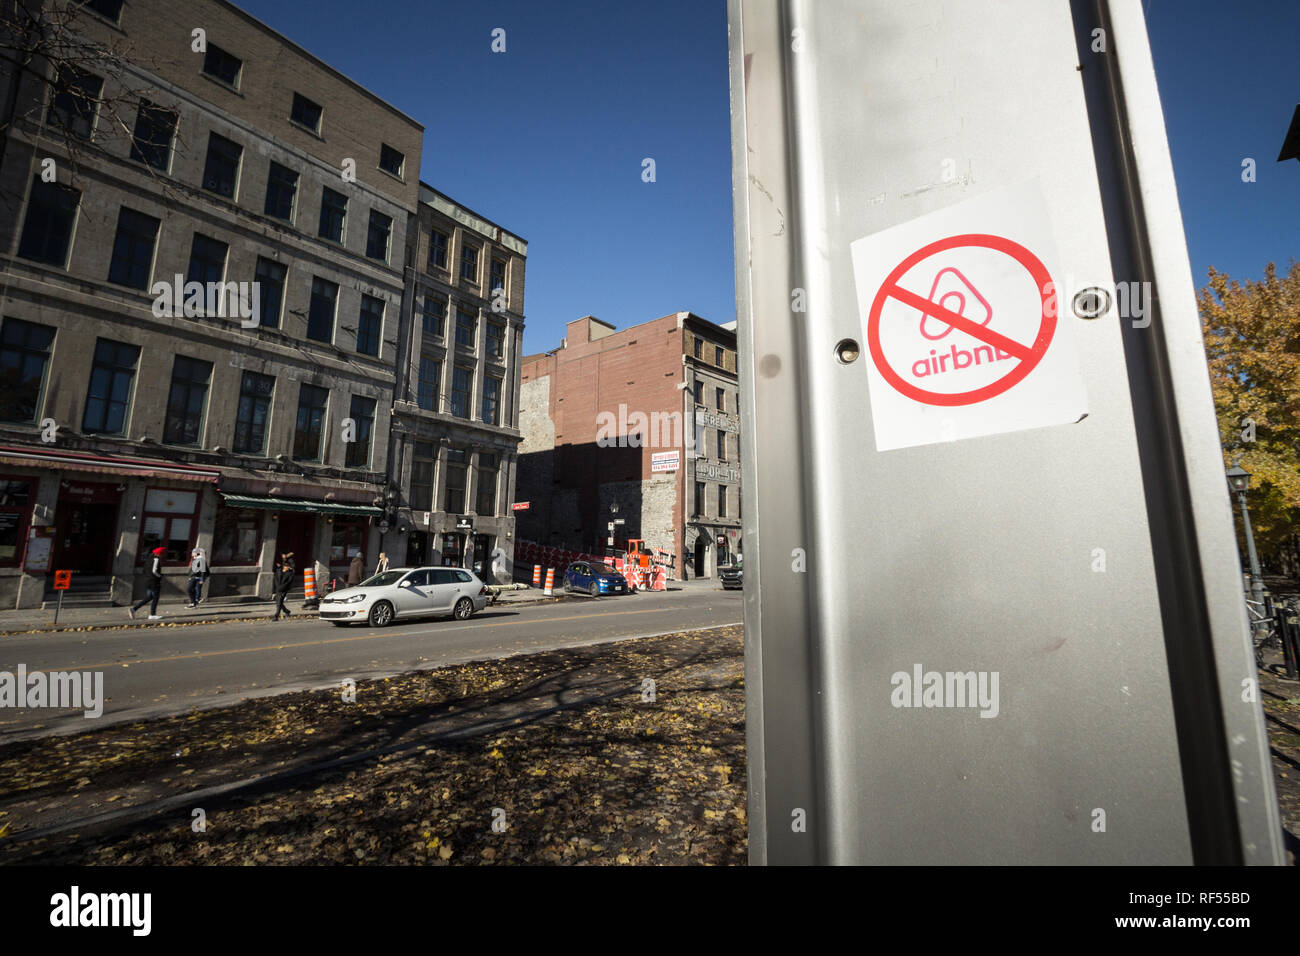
x,y
154,589
283,584
198,574
356,570
382,566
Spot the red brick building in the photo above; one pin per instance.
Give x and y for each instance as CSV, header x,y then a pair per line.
x,y
637,427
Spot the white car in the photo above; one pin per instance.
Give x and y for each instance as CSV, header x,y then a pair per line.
x,y
406,592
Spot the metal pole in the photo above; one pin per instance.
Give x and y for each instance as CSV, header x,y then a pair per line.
x,y
58,607
1256,576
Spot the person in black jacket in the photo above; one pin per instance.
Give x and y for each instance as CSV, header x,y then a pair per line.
x,y
154,590
283,584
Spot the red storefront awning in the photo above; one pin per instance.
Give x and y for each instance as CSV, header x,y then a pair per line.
x,y
104,464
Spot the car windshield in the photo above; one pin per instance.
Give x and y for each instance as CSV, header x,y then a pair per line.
x,y
383,579
604,569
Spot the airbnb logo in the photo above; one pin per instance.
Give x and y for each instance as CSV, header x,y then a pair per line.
x,y
949,290
937,364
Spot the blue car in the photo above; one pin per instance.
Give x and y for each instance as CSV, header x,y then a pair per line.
x,y
595,579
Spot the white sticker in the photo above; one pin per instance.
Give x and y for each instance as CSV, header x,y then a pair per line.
x,y
966,332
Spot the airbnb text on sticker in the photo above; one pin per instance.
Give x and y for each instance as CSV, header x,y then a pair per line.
x,y
961,320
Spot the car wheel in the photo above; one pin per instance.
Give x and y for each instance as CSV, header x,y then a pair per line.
x,y
381,615
464,608
595,589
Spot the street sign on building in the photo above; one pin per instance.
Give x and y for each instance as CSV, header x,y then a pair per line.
x,y
520,506
665,461
968,328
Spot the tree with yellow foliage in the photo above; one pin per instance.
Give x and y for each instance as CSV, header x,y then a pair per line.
x,y
1252,341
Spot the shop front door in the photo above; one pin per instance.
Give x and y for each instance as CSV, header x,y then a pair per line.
x,y
85,528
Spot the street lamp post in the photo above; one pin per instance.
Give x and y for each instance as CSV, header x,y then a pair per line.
x,y
1239,481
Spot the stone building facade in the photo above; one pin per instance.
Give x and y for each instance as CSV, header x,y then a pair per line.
x,y
456,408
247,420
636,428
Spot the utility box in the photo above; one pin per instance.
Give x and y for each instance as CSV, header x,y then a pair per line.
x,y
994,611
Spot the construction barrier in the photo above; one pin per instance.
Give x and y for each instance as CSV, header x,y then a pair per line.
x,y
659,578
550,582
309,583
629,575
537,575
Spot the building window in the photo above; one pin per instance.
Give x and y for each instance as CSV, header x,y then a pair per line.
x,y
496,340
281,191
15,514
457,466
717,356
422,458
722,445
270,278
346,541
381,228
438,249
699,498
155,129
466,326
362,414
109,9
133,249
255,394
320,316
699,346
430,383
24,357
112,378
461,386
434,315
221,171
722,501
498,274
390,160
305,112
491,399
487,484
370,325
310,428
186,401
468,262
223,66
207,260
721,397
47,231
75,102
237,536
333,214
699,391
168,522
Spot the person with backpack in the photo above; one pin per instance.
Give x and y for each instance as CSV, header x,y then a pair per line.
x,y
154,587
198,574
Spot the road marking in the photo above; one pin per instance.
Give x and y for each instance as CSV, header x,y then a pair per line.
x,y
199,655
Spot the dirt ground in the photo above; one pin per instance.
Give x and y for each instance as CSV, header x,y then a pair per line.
x,y
622,753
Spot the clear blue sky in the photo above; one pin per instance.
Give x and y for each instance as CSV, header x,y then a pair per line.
x,y
548,138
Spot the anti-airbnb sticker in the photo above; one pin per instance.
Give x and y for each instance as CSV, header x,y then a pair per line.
x,y
963,326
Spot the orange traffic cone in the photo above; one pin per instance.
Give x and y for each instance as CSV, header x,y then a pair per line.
x,y
537,575
309,582
550,583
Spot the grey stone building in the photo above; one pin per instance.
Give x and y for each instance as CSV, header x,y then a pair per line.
x,y
150,394
456,409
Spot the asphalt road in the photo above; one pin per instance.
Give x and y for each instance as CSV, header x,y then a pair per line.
x,y
164,670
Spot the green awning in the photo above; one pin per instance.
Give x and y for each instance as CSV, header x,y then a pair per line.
x,y
300,504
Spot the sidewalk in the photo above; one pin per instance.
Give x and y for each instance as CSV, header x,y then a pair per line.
x,y
80,618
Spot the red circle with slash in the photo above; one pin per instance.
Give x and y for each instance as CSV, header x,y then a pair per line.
x,y
1029,355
